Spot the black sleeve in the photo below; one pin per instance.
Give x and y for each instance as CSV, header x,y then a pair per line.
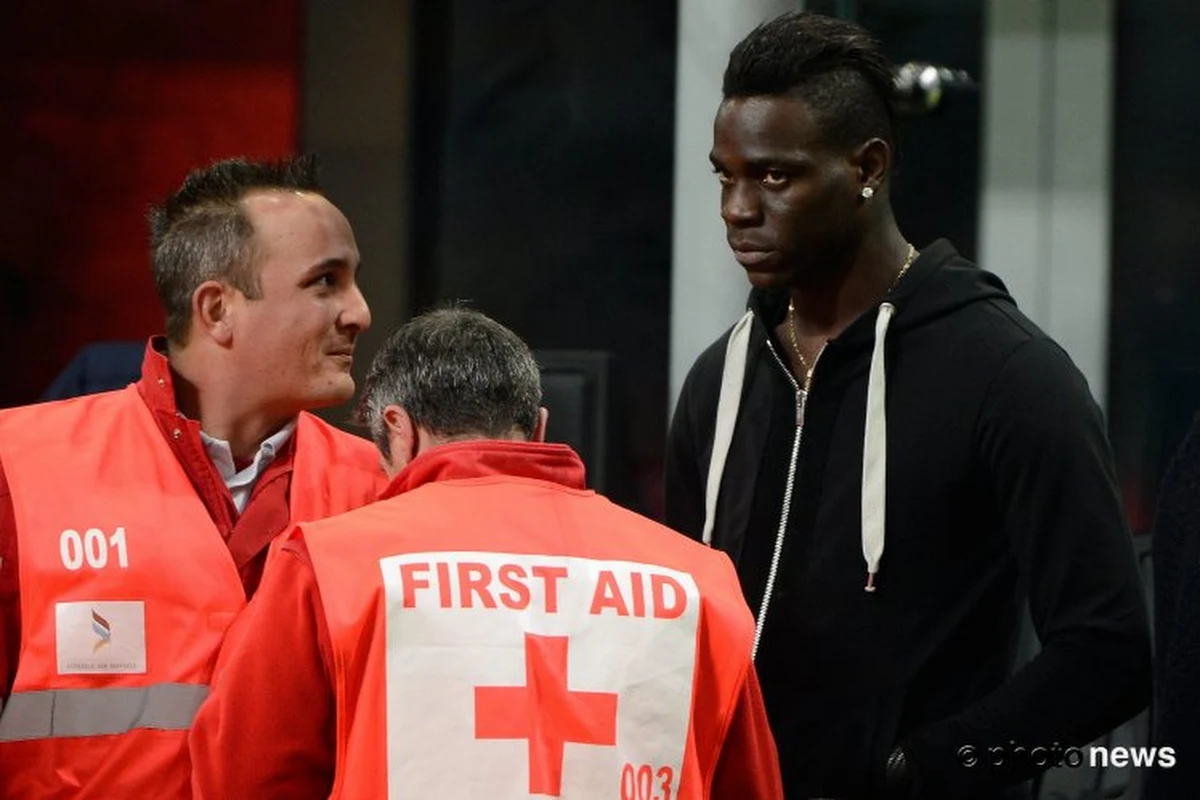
x,y
1041,441
684,478
1177,623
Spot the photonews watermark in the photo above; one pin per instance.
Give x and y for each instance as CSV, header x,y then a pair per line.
x,y
1055,755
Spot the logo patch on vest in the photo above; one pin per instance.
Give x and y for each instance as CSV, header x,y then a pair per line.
x,y
513,675
101,637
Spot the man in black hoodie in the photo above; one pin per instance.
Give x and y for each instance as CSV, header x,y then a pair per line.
x,y
896,459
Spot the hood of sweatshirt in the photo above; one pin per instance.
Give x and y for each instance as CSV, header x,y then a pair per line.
x,y
916,300
938,283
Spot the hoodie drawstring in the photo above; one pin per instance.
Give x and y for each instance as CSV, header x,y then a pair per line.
x,y
874,483
874,478
727,410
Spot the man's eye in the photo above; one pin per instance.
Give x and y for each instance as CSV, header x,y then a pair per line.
x,y
722,176
774,177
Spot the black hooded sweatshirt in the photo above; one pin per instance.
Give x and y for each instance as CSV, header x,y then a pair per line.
x,y
997,478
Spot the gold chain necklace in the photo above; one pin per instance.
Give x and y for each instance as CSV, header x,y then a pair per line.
x,y
791,321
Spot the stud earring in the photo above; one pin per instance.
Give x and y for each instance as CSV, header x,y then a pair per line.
x,y
867,193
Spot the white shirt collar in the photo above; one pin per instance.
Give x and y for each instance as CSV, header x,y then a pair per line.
x,y
241,482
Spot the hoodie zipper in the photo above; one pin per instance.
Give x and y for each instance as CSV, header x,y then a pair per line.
x,y
772,573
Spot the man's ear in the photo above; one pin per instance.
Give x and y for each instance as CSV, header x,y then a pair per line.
x,y
539,430
874,162
211,309
402,435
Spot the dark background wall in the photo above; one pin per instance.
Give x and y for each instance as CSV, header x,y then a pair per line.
x,y
356,98
102,112
1155,352
543,190
936,191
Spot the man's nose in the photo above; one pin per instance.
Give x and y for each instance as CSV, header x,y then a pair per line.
x,y
739,204
356,316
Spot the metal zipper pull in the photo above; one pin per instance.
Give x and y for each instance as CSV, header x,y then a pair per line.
x,y
801,404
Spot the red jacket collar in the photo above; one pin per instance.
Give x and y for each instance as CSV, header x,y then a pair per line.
x,y
182,434
156,385
482,458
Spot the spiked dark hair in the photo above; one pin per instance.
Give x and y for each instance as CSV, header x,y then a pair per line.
x,y
202,232
836,67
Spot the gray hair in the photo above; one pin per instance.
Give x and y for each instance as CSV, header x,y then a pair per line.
x,y
458,373
202,232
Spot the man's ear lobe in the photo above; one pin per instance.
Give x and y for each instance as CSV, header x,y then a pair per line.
x,y
211,312
401,432
874,160
396,419
539,429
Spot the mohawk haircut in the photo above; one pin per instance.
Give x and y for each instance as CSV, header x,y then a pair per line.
x,y
835,67
202,232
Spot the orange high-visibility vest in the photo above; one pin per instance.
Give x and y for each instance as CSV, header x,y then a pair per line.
x,y
127,589
526,638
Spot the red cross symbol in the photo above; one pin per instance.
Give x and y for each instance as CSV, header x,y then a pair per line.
x,y
545,712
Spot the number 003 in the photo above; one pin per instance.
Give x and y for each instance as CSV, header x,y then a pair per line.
x,y
92,548
644,783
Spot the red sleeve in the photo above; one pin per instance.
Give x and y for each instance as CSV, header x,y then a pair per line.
x,y
748,767
267,728
10,594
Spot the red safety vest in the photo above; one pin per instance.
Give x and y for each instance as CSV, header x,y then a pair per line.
x,y
127,589
526,638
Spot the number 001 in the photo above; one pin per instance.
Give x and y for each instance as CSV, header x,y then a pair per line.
x,y
92,547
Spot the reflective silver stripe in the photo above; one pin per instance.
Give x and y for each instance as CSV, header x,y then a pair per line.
x,y
59,713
